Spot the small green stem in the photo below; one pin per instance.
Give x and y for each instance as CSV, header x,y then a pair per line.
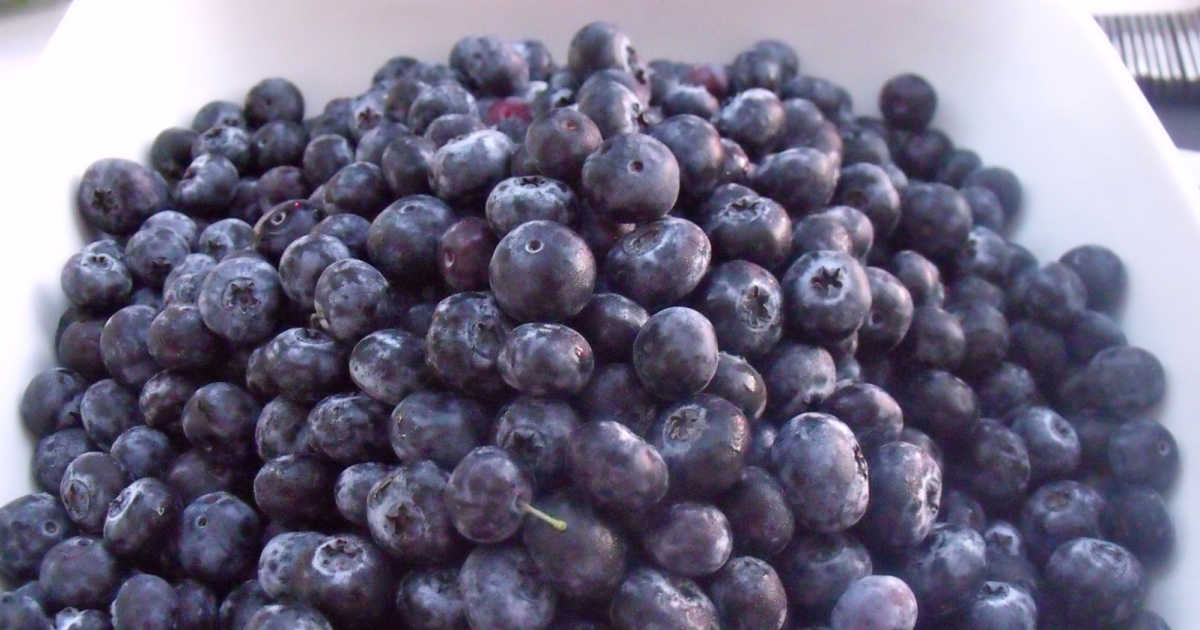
x,y
557,524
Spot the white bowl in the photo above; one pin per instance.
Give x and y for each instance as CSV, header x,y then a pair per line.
x,y
1028,84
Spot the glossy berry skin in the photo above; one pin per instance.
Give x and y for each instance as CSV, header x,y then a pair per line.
x,y
352,299
219,421
696,146
869,411
242,603
1137,518
1057,512
487,494
940,403
388,364
798,377
1003,183
749,595
985,336
616,393
429,599
207,185
282,429
876,601
403,240
144,602
935,219
906,493
749,227
560,141
908,101
867,187
143,452
754,119
687,538
349,428
123,345
437,426
1054,449
737,381
823,472
232,143
178,339
464,251
464,338
79,573
675,352
803,179
820,232
659,263
1123,380
1000,605
305,363
116,195
518,200
295,489
1053,295
704,440
358,188
469,166
614,106
945,570
96,280
542,271
617,469
920,276
534,431
1144,452
88,485
490,65
54,453
347,577
301,264
545,359
240,299
224,237
1102,273
273,99
759,516
502,590
286,616
1093,331
31,525
826,294
141,517
998,464
282,224
610,323
816,568
353,485
51,401
218,535
935,338
192,476
650,600
1096,581
961,508
350,229
21,612
585,562
407,516
325,155
106,410
631,178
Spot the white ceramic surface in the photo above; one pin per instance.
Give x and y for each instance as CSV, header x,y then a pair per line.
x,y
1028,84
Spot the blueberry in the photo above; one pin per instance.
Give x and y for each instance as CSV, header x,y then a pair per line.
x,y
1097,582
935,221
735,166
31,525
407,516
502,590
230,142
218,535
273,99
920,276
1053,295
738,382
945,570
348,578
534,431
1058,512
823,472
219,421
349,428
123,345
875,601
688,539
597,46
140,518
1094,430
216,113
1144,452
51,401
986,211
821,232
940,403
542,271
908,101
906,491
353,485
615,393
242,603
560,142
961,508
615,467
397,69
464,339
280,184
817,568
224,237
1123,380
437,426
754,119
429,599
749,595
278,143
798,377
697,149
144,602
302,262
675,352
240,299
802,179
891,314
869,411
388,364
831,98
519,200
935,339
54,453
704,440
171,150
759,515
997,465
350,229
294,489
1054,449
79,573
631,178
545,359
96,280
585,562
490,65
469,166
163,398
756,68
868,188
648,599
863,144
488,495
923,153
304,363
1093,332
1137,518
806,126
435,100
207,185
659,263
1007,560
610,322
88,484
357,188
21,612
826,294
287,617
352,299
1039,349
143,452
325,155
958,164
116,195
405,164
985,335
403,240
75,619
178,339
192,476
682,98
1102,273
749,227
283,224
373,143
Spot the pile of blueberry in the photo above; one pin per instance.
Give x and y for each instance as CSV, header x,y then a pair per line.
x,y
507,345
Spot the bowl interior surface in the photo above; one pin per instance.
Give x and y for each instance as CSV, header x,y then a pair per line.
x,y
1027,84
